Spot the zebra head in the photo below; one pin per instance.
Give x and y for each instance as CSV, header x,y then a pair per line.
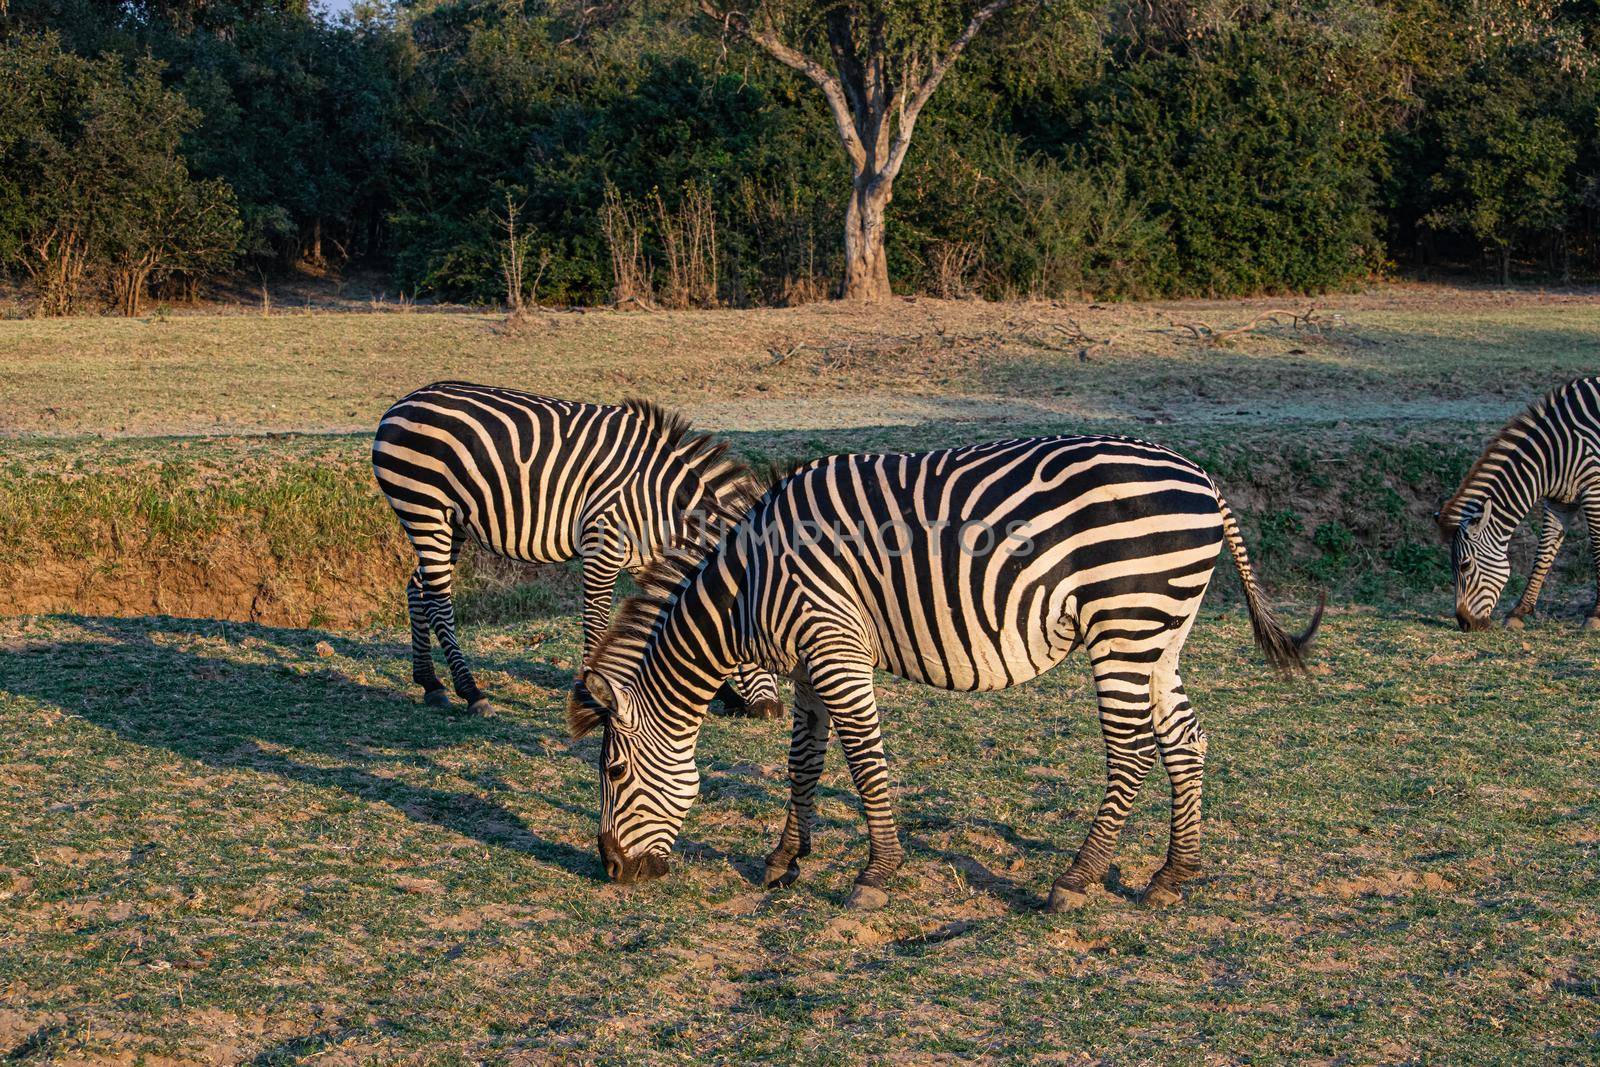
x,y
1481,565
648,780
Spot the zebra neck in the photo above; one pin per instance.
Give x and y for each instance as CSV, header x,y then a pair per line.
x,y
692,651
1511,485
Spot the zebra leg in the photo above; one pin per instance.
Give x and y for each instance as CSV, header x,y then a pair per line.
x,y
442,615
602,565
422,671
1551,533
1591,518
1125,724
847,691
1183,753
808,749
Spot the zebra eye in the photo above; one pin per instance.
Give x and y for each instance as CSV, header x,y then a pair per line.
x,y
615,771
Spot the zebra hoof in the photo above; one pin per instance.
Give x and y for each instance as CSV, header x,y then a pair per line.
x,y
1064,899
436,698
481,706
1592,623
766,710
1514,622
780,877
866,898
1160,896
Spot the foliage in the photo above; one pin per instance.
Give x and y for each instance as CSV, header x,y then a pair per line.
x,y
1499,167
93,178
1162,148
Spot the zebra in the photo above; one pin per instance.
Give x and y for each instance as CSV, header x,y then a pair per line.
x,y
542,480
1548,455
974,568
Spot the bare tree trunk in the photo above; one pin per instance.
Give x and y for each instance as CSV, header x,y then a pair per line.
x,y
128,284
875,98
866,260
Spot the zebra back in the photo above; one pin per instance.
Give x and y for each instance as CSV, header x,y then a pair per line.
x,y
522,472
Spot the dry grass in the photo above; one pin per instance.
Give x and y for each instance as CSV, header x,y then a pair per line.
x,y
1403,355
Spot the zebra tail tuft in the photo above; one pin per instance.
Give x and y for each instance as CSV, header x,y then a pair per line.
x,y
1283,649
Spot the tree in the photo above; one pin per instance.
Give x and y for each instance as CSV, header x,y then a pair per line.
x,y
173,229
1502,163
884,61
94,181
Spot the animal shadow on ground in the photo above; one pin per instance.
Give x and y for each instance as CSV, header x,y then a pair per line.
x,y
136,678
979,875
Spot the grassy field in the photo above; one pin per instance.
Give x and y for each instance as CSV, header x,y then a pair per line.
x,y
216,465
233,843
1401,356
230,839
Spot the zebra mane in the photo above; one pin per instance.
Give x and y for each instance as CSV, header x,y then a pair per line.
x,y
774,471
731,491
1451,514
621,648
671,425
727,481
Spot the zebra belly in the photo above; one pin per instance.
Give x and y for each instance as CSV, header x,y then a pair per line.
x,y
979,659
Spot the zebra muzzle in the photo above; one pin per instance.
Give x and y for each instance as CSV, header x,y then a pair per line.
x,y
625,871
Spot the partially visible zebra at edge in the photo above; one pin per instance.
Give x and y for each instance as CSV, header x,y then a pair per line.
x,y
1549,455
542,480
1121,541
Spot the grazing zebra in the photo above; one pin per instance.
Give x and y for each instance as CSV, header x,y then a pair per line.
x,y
975,568
542,481
1549,455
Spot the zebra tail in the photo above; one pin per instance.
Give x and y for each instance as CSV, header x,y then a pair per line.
x,y
1283,649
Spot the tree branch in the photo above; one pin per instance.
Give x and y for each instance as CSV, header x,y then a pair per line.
x,y
841,41
912,108
832,90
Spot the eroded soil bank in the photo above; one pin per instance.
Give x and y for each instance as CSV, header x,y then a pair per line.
x,y
295,534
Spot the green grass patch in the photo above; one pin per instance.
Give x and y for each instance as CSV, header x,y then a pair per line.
x,y
234,842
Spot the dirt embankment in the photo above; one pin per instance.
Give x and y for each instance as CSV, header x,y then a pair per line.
x,y
224,577
307,541
271,538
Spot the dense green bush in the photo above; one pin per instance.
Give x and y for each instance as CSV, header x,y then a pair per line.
x,y
1247,157
1154,149
95,194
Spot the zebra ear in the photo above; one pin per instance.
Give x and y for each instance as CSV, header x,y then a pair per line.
x,y
584,712
615,703
600,689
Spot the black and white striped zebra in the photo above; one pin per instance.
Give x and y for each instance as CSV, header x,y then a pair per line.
x,y
543,481
1548,456
975,568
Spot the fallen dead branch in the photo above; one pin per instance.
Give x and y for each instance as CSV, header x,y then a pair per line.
x,y
1311,321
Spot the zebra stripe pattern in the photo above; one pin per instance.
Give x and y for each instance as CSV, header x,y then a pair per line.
x,y
541,480
1548,456
971,569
